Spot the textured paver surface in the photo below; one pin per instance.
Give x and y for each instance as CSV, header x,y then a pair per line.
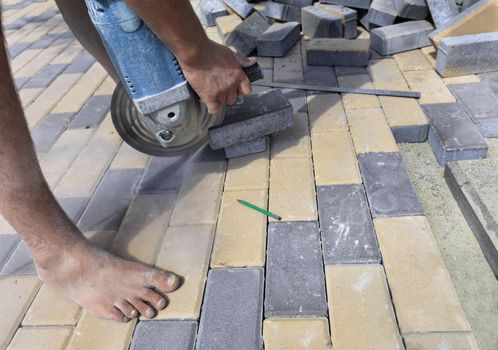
x,y
366,256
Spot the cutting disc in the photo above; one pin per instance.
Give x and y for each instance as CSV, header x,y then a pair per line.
x,y
130,125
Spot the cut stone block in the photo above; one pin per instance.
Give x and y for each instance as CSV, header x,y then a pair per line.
x,y
289,333
442,11
252,117
480,104
401,37
357,4
452,134
348,235
297,3
466,54
361,311
277,40
432,88
434,340
165,335
20,262
248,173
240,7
411,9
349,18
245,148
389,189
282,12
226,24
244,36
479,18
381,13
289,68
491,81
338,52
8,244
232,311
295,280
318,23
210,10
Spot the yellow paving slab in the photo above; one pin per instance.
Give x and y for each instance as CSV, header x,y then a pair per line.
x,y
41,338
241,232
449,340
423,294
334,158
361,313
296,334
352,101
129,158
186,251
412,60
430,85
293,142
326,113
248,173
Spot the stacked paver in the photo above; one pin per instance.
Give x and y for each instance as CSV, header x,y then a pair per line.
x,y
336,178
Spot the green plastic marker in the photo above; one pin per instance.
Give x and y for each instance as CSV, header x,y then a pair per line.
x,y
262,211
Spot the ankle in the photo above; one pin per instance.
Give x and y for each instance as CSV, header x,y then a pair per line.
x,y
58,255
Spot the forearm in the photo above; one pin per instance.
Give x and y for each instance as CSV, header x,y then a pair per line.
x,y
176,24
25,199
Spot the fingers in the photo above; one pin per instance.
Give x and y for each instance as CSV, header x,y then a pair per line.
x,y
245,87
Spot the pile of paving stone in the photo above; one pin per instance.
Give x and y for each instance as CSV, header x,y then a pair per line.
x,y
342,32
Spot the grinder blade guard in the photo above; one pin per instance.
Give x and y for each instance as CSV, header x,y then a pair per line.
x,y
153,107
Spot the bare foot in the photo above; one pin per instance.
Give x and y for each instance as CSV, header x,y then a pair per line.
x,y
107,286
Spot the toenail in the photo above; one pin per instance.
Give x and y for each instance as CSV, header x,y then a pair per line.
x,y
150,313
161,304
134,313
171,280
126,319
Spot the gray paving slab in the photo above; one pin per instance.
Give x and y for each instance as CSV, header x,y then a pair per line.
x,y
289,69
252,117
348,235
381,13
319,23
480,104
338,52
81,64
357,4
210,10
17,48
298,3
490,79
45,41
297,98
410,133
467,54
154,335
45,76
20,262
232,312
250,147
282,12
241,7
73,206
164,174
20,81
400,37
8,244
453,135
106,209
92,114
348,16
277,40
245,35
295,281
46,133
390,191
442,11
411,9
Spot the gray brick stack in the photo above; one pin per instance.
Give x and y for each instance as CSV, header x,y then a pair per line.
x,y
338,52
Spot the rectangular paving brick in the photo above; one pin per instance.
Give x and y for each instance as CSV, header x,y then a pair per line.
x,y
143,227
8,244
186,250
412,260
95,333
20,262
480,104
240,233
16,294
430,85
370,131
282,12
164,174
433,340
411,9
358,4
338,52
81,64
295,285
348,16
334,158
293,142
381,13
232,311
442,11
288,333
289,68
361,312
210,10
412,60
400,37
46,133
348,235
92,114
319,23
491,81
326,113
51,308
277,40
352,101
292,197
246,148
110,201
164,334
243,37
73,206
199,196
54,338
248,173
129,158
389,188
45,77
453,135
226,24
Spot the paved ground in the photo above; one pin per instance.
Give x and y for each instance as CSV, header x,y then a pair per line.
x,y
327,275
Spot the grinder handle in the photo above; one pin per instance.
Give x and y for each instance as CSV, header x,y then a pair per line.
x,y
253,72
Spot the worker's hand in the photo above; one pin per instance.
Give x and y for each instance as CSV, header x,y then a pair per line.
x,y
216,75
